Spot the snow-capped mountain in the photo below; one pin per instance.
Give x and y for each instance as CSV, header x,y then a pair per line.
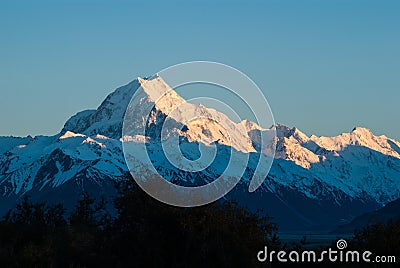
x,y
358,163
314,181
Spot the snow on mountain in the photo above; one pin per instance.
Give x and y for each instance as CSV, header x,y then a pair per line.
x,y
358,163
57,159
352,167
359,137
107,119
290,146
8,143
195,122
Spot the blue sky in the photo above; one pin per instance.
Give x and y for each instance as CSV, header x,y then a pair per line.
x,y
325,66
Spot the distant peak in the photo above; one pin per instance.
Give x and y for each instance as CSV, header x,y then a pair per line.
x,y
283,131
362,131
282,126
250,125
141,80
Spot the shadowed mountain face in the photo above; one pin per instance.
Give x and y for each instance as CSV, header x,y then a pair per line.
x,y
315,183
391,211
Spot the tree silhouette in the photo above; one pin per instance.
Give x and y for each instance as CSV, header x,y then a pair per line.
x,y
142,232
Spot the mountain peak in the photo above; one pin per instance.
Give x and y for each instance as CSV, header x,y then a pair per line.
x,y
283,131
362,131
359,136
250,125
159,92
141,80
352,166
201,124
107,118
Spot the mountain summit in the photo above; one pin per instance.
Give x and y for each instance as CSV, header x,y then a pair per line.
x,y
314,182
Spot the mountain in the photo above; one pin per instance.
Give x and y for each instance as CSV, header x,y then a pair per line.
x,y
315,183
391,211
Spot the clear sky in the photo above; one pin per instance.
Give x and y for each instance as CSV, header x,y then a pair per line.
x,y
325,66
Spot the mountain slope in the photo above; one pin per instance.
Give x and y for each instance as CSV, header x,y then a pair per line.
x,y
318,181
391,211
107,118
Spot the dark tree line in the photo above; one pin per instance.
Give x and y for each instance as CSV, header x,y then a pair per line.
x,y
143,233
380,238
